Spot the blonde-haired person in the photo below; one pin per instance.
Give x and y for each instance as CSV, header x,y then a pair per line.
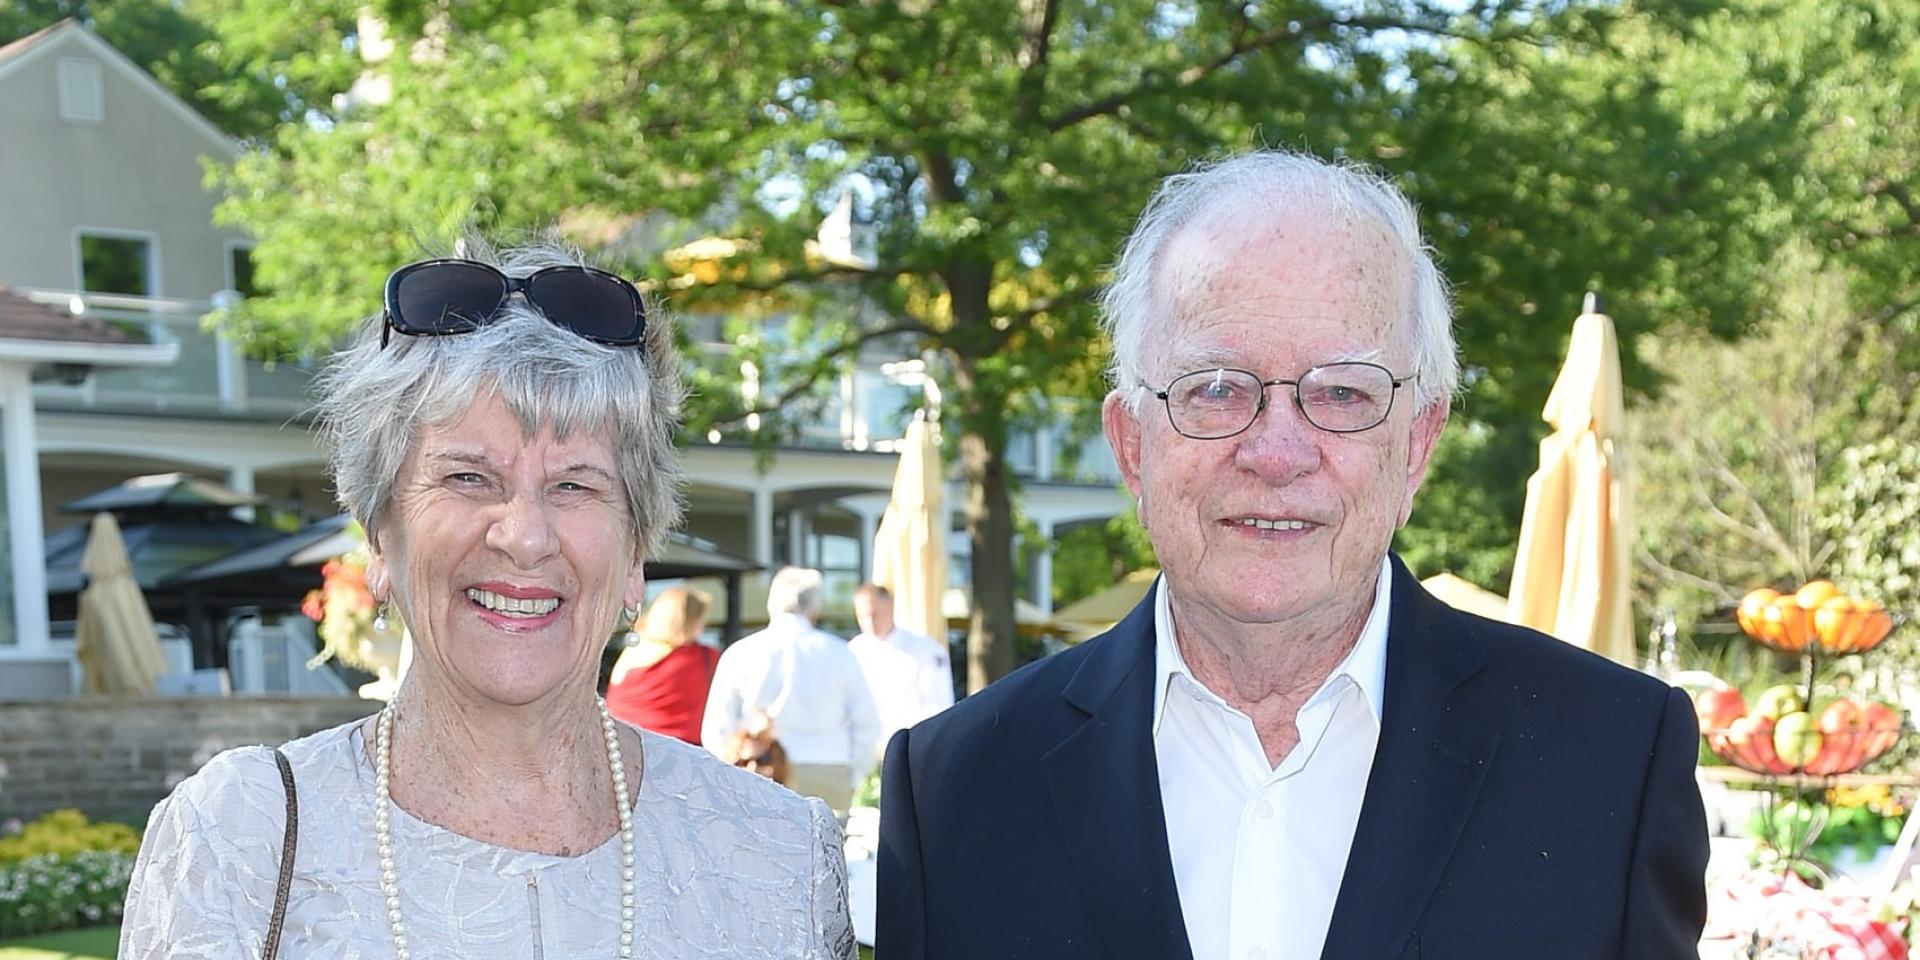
x,y
660,681
503,431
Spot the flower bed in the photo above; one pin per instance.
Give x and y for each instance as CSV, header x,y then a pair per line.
x,y
1768,914
61,871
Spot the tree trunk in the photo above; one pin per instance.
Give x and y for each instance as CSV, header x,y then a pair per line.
x,y
989,513
981,405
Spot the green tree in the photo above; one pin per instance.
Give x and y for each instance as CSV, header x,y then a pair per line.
x,y
1739,481
997,152
1666,157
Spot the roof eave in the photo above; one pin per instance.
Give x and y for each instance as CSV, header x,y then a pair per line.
x,y
90,354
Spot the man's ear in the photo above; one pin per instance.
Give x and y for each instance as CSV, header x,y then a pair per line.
x,y
1428,425
1122,427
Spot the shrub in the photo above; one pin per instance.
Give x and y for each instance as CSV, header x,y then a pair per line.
x,y
67,832
55,891
62,871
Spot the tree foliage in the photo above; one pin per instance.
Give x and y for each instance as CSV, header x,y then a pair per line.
x,y
996,153
1663,152
1740,457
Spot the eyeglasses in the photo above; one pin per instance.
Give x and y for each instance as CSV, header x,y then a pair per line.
x,y
1345,397
436,298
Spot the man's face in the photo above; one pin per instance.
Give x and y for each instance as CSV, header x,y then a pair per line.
x,y
1284,522
874,613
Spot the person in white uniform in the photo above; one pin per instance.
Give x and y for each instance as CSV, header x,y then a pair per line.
x,y
504,433
805,681
909,673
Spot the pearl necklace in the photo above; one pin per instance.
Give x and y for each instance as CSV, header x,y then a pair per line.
x,y
383,836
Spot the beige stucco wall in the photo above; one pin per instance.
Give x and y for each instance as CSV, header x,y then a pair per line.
x,y
139,171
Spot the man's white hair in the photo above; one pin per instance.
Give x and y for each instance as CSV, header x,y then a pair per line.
x,y
1273,185
794,590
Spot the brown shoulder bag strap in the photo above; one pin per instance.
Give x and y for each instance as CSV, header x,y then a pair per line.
x,y
287,848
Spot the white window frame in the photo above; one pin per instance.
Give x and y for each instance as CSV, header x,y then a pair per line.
x,y
232,247
152,239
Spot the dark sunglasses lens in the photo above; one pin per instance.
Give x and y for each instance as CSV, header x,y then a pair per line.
x,y
598,306
447,298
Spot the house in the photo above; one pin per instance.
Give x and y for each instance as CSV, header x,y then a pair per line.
x,y
106,225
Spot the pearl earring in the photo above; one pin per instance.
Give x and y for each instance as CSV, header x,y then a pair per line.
x,y
380,620
632,616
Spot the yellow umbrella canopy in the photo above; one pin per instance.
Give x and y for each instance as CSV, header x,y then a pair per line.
x,y
1467,596
957,609
1095,613
1570,575
114,639
910,548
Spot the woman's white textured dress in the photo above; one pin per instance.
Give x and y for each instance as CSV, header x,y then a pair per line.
x,y
728,864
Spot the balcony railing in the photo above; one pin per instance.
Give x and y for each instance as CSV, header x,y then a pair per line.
x,y
211,377
868,410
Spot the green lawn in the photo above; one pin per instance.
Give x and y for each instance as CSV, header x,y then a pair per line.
x,y
87,944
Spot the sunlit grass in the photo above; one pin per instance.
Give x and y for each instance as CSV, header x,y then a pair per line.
x,y
90,943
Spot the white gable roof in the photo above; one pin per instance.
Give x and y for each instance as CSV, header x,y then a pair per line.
x,y
69,35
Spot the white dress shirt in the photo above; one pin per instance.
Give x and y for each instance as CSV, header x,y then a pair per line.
x,y
1258,850
807,681
908,674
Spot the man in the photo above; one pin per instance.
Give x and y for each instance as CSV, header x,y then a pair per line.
x,y
1289,749
908,673
804,681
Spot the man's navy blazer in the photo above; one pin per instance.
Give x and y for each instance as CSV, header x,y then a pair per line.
x,y
1527,800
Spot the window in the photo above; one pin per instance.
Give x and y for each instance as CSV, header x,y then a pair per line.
x,y
82,97
240,271
116,265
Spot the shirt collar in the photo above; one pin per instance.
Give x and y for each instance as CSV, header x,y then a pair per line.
x,y
1365,665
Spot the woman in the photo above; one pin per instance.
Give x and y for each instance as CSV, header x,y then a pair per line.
x,y
509,453
660,681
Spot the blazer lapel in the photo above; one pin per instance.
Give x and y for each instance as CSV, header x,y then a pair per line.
x,y
1105,785
1426,775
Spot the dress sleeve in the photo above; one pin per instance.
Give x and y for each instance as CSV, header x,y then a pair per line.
x,y
203,884
832,926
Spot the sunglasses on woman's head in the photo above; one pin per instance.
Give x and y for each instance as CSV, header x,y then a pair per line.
x,y
436,298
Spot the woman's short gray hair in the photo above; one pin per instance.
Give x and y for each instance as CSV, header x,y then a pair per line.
x,y
374,401
1275,183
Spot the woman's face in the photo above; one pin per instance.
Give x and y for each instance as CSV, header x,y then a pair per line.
x,y
509,555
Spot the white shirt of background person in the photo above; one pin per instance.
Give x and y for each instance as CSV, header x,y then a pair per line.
x,y
909,674
800,676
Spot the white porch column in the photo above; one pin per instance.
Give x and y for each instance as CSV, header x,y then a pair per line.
x,y
869,525
797,533
762,527
25,538
1040,568
240,479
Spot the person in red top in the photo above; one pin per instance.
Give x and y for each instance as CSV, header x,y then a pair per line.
x,y
660,681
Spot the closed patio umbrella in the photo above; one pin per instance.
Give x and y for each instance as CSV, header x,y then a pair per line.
x,y
1570,575
114,639
910,548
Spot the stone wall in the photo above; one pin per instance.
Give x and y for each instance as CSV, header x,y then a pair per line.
x,y
114,759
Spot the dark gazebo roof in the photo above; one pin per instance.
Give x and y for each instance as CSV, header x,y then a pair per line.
x,y
168,493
